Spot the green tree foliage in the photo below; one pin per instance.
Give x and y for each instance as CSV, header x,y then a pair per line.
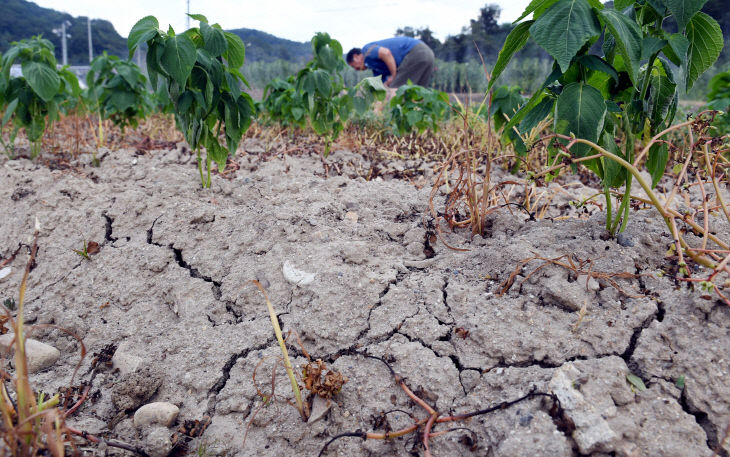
x,y
264,47
22,19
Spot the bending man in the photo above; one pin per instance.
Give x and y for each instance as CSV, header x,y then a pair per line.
x,y
395,60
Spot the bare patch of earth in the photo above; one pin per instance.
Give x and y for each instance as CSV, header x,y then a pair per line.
x,y
169,297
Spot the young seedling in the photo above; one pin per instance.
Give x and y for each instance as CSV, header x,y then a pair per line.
x,y
92,247
33,101
628,91
200,71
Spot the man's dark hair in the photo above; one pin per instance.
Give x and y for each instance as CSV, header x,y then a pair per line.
x,y
352,53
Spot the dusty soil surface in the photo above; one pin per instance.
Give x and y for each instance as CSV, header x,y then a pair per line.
x,y
167,313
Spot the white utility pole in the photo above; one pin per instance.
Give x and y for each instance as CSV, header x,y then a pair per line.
x,y
187,18
64,35
91,46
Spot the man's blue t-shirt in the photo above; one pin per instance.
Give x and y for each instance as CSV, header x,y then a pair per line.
x,y
399,46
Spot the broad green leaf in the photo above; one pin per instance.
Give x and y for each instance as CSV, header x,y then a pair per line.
x,y
178,58
705,45
564,28
128,73
636,382
651,45
199,17
628,40
144,30
677,49
236,53
535,4
684,10
661,94
122,100
514,42
580,111
43,79
614,175
215,40
656,163
596,63
620,5
659,6
322,82
9,112
537,114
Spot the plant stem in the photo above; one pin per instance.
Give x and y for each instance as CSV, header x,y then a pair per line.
x,y
282,345
200,167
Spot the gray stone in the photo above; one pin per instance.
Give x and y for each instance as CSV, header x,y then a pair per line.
x,y
159,413
39,355
158,443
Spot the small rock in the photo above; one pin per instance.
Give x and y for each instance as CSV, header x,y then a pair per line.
x,y
135,388
158,442
158,413
294,276
320,407
624,240
39,355
126,363
351,216
5,272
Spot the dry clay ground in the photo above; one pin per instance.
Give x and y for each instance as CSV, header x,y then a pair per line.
x,y
168,299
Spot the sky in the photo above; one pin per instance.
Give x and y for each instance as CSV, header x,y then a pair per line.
x,y
353,22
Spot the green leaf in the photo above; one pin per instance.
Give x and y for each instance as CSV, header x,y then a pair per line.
x,y
684,10
9,112
515,41
215,40
236,53
680,382
636,382
322,82
596,63
200,18
178,58
628,38
614,175
537,114
659,6
621,5
677,49
534,5
705,45
661,94
564,28
580,111
43,79
144,30
656,163
651,45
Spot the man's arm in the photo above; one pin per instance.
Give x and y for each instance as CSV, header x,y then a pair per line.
x,y
386,56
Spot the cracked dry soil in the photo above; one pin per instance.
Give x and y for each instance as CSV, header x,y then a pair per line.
x,y
168,306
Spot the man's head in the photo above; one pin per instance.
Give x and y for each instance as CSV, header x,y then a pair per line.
x,y
355,59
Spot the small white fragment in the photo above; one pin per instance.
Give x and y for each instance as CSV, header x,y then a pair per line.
x,y
5,272
159,413
294,276
320,407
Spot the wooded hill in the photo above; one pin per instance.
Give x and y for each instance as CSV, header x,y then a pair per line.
x,y
23,19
